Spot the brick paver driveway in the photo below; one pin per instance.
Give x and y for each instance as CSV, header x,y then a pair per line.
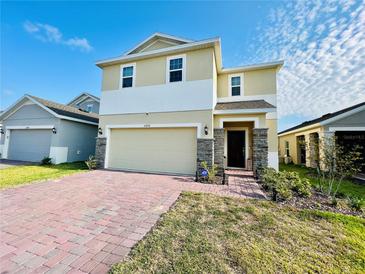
x,y
87,222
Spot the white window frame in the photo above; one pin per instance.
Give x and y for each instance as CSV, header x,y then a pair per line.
x,y
133,76
183,56
241,75
89,106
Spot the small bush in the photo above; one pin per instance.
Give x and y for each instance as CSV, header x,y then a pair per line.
x,y
91,162
212,171
284,184
46,161
356,203
301,186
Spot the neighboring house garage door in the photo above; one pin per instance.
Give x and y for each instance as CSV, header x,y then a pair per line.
x,y
29,144
166,150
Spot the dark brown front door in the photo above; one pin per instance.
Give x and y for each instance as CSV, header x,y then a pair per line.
x,y
236,148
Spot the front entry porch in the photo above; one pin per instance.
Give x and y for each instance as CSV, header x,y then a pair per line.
x,y
240,145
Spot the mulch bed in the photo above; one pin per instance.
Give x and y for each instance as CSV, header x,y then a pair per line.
x,y
319,201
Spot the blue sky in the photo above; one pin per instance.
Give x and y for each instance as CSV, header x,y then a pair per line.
x,y
48,49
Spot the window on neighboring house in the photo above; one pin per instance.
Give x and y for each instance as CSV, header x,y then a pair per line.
x,y
127,76
176,67
89,107
287,149
236,85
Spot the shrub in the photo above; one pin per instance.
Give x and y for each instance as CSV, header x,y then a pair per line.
x,y
91,162
46,161
284,184
212,171
356,203
301,186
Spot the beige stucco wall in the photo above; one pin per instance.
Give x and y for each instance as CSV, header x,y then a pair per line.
x,y
256,82
205,117
152,71
272,135
292,139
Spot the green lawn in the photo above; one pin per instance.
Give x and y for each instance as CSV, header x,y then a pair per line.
x,y
14,176
347,188
204,233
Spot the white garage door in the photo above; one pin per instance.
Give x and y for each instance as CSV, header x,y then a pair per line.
x,y
165,150
29,144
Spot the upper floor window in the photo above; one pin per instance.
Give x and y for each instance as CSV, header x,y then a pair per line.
x,y
128,75
89,107
176,69
235,84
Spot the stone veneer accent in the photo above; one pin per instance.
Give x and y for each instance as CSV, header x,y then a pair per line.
x,y
260,150
219,150
204,152
100,151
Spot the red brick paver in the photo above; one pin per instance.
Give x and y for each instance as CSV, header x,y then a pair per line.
x,y
86,222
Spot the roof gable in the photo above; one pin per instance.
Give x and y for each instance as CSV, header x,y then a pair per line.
x,y
58,110
158,41
83,96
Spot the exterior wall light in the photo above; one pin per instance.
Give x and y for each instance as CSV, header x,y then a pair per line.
x,y
100,131
54,131
206,130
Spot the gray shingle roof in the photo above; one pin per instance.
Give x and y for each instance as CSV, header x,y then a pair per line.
x,y
322,118
67,110
244,105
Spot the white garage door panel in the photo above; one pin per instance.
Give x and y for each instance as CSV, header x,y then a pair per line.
x,y
29,144
171,150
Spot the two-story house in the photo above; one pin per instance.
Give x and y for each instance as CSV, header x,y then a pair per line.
x,y
168,104
86,102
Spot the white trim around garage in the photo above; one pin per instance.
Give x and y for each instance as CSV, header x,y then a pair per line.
x,y
7,135
108,128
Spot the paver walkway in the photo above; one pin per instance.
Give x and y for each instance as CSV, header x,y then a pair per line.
x,y
86,222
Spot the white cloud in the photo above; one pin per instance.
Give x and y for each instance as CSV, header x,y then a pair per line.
x,y
8,92
51,34
323,46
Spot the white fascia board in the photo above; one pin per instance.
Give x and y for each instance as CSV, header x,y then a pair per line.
x,y
274,64
77,120
157,52
5,113
299,129
334,129
158,34
343,115
244,111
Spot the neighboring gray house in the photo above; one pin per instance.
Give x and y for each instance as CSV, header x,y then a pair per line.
x,y
34,128
86,102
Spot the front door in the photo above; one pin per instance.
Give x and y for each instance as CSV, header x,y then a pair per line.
x,y
236,148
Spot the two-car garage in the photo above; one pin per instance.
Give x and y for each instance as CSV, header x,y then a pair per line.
x,y
161,150
29,144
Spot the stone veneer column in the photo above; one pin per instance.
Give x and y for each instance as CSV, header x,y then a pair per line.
x,y
204,152
219,150
100,151
260,150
